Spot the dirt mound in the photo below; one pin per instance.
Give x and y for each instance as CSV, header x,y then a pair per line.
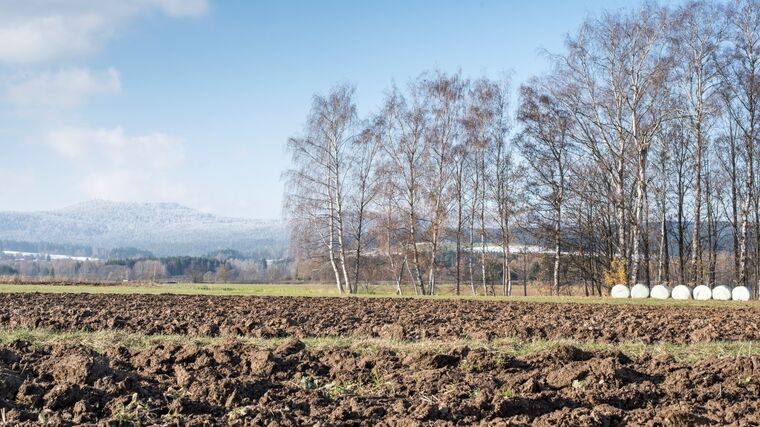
x,y
396,319
75,365
236,384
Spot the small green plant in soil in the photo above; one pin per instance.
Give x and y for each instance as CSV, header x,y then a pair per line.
x,y
507,393
132,412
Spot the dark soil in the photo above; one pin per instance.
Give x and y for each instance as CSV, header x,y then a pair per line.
x,y
237,384
408,319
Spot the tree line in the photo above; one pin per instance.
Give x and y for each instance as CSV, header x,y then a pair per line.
x,y
147,270
630,160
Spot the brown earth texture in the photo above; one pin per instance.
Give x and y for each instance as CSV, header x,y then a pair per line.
x,y
236,384
397,318
233,382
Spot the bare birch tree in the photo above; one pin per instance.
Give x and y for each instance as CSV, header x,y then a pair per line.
x,y
545,142
320,167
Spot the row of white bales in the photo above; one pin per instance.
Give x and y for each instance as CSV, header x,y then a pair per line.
x,y
681,292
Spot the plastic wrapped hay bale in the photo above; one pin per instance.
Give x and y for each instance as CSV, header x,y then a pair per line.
x,y
702,293
721,293
660,292
620,291
681,292
640,290
740,293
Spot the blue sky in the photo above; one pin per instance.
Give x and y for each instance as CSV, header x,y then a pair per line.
x,y
191,101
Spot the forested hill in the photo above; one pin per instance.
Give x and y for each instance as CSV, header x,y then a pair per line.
x,y
164,229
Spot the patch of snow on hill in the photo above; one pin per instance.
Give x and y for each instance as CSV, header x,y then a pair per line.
x,y
162,228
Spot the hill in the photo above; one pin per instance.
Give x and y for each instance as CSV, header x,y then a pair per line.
x,y
162,228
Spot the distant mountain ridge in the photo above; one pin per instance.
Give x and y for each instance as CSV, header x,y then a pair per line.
x,y
162,228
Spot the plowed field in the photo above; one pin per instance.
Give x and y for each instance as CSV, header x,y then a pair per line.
x,y
407,319
245,385
282,382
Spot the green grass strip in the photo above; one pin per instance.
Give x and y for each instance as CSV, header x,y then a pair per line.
x,y
105,339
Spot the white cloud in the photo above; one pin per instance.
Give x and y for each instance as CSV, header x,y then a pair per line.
x,y
47,37
43,30
116,166
131,186
153,151
65,88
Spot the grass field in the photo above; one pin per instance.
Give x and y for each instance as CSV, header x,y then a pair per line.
x,y
181,289
322,290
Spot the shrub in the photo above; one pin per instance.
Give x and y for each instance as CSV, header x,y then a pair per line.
x,y
616,273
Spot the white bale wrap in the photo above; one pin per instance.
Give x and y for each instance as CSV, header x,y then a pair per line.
x,y
740,293
721,293
681,292
702,293
660,292
620,291
640,290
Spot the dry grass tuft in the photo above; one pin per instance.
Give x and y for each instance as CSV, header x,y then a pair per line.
x,y
104,339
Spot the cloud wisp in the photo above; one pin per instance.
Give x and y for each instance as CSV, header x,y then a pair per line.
x,y
63,89
35,31
116,166
41,43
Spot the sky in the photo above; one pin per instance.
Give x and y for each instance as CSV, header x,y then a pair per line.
x,y
192,101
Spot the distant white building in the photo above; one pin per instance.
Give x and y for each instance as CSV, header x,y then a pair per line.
x,y
37,255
